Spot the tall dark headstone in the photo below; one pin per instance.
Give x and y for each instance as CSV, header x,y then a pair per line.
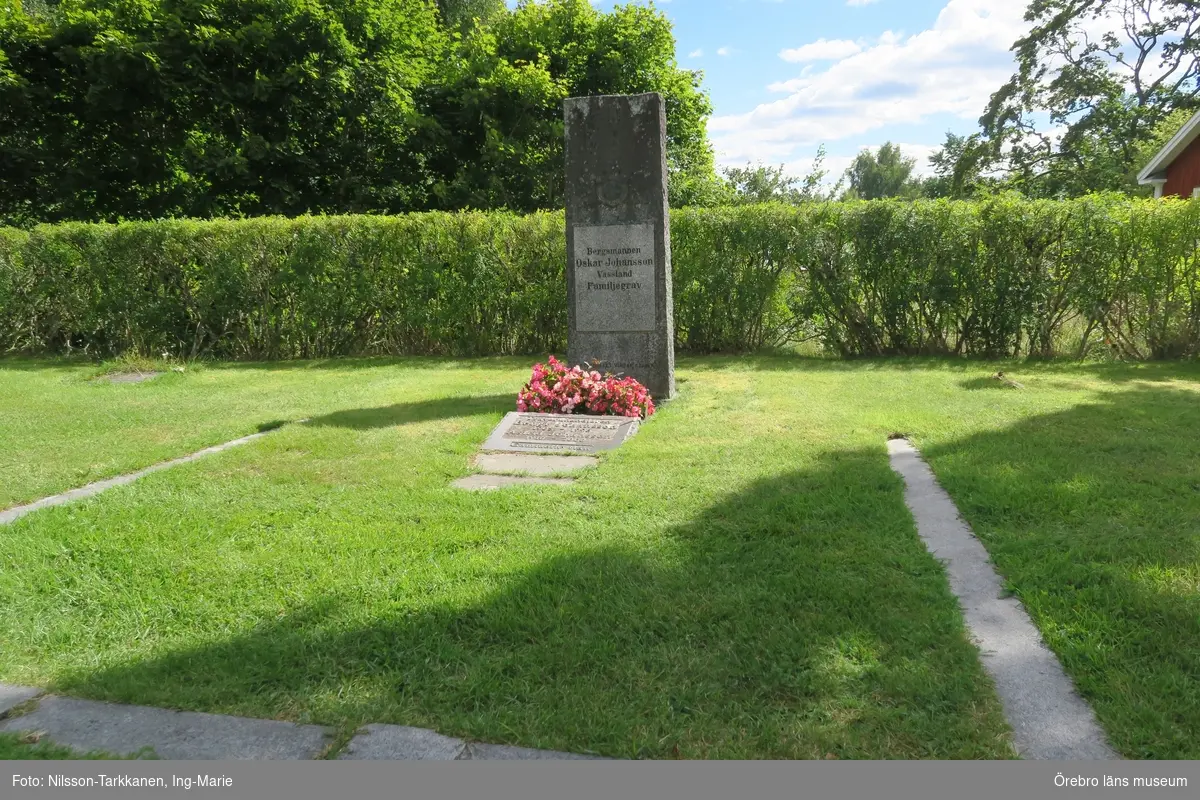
x,y
619,239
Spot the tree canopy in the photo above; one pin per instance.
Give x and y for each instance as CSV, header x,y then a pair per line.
x,y
1094,80
492,129
131,109
886,173
153,108
127,109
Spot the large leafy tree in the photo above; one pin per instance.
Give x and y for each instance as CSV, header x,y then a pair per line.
x,y
1094,79
151,108
493,130
465,15
759,183
886,173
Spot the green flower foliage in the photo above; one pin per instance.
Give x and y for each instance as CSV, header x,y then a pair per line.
x,y
1002,277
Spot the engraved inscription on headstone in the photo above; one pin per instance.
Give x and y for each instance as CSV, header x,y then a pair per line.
x,y
525,432
619,312
614,278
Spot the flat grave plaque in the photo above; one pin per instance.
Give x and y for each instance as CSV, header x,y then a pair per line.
x,y
525,432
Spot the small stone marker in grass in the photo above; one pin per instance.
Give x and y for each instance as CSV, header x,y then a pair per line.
x,y
522,432
129,377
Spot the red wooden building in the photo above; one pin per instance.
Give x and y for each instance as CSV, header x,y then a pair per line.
x,y
1176,168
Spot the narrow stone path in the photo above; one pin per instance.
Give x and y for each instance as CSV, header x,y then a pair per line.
x,y
16,512
1049,719
87,725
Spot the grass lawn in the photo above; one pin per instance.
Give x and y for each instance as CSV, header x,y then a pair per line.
x,y
61,427
1092,513
17,747
741,579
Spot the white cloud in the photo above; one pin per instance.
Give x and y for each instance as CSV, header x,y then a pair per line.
x,y
921,152
821,50
853,3
697,53
725,51
952,68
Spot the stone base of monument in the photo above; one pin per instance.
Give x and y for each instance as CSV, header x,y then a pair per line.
x,y
525,448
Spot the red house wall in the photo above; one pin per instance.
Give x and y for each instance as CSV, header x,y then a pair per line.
x,y
1184,173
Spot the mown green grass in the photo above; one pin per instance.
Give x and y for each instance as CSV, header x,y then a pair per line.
x,y
1092,513
741,579
63,425
19,747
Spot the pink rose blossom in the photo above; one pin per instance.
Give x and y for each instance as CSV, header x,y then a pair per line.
x,y
556,389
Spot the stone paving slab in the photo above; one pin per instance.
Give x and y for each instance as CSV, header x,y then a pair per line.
x,y
484,482
125,730
130,377
87,725
15,695
504,752
1049,719
401,743
526,464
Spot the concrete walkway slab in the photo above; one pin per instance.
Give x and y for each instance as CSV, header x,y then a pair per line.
x,y
485,482
15,513
526,464
125,730
401,743
504,752
1049,719
11,696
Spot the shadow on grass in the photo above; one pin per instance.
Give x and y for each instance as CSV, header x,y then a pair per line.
x,y
797,618
35,363
1093,516
420,411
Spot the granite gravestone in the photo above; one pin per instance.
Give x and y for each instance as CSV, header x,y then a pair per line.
x,y
618,239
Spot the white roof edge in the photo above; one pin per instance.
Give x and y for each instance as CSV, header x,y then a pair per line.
x,y
1171,151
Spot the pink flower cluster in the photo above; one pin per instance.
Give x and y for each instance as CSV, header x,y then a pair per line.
x,y
555,389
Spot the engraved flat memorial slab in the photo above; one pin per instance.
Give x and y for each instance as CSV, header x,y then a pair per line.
x,y
524,432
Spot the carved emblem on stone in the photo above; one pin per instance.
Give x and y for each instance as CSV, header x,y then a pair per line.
x,y
612,192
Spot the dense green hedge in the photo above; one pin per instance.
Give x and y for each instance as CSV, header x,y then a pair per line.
x,y
995,278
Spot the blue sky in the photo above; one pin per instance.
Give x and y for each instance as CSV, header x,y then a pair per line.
x,y
788,75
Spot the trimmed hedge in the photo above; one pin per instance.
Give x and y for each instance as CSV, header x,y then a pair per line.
x,y
1003,277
